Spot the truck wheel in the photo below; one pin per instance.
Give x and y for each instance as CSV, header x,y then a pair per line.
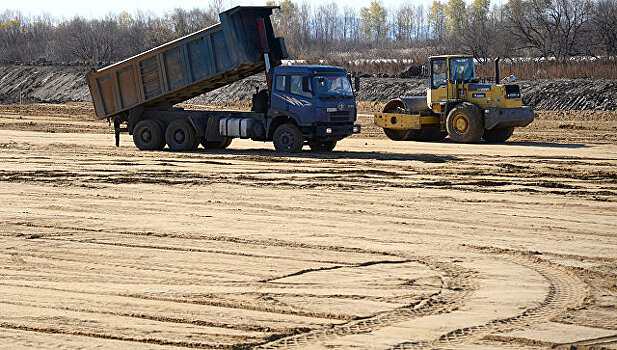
x,y
148,135
397,135
224,143
322,146
288,138
180,136
465,124
162,143
498,134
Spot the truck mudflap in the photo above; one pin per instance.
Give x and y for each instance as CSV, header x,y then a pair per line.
x,y
501,117
327,130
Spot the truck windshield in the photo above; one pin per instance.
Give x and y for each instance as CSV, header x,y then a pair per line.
x,y
333,86
461,68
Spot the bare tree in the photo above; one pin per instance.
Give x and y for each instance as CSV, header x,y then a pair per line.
x,y
555,28
11,32
478,36
437,22
605,19
420,26
326,23
351,26
302,29
404,19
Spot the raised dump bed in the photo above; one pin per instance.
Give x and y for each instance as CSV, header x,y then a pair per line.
x,y
190,66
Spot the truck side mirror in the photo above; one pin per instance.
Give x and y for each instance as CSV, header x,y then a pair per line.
x,y
356,83
306,86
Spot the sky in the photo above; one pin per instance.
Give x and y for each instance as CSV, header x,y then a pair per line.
x,y
99,8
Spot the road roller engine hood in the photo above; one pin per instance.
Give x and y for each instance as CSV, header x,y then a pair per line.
x,y
494,95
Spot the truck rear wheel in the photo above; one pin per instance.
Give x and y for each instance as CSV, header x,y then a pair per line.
x,y
498,134
180,136
465,124
288,138
162,142
397,135
322,146
148,135
224,143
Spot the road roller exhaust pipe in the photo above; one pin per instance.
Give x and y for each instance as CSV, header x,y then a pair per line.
x,y
497,70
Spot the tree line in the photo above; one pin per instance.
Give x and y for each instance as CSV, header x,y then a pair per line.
x,y
550,29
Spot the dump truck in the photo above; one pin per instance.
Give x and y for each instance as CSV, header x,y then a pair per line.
x,y
457,105
301,105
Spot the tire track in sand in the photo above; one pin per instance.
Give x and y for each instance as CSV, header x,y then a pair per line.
x,y
590,344
566,291
455,290
154,341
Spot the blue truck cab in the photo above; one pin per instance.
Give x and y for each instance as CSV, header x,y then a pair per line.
x,y
313,105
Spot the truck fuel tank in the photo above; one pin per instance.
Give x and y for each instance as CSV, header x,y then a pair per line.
x,y
241,127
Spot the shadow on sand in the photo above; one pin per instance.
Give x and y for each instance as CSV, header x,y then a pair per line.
x,y
547,144
290,157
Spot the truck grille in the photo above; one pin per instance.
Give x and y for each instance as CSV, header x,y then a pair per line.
x,y
339,116
340,119
339,113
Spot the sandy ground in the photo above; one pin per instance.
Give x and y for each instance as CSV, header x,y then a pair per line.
x,y
380,244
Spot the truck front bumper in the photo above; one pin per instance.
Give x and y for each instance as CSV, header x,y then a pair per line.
x,y
501,117
336,130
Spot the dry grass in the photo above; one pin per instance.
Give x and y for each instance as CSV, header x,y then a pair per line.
x,y
399,62
596,69
373,62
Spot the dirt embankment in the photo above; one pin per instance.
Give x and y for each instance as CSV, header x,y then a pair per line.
x,y
571,94
48,84
556,95
60,84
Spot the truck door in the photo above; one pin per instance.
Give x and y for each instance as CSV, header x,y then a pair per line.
x,y
301,89
280,90
293,96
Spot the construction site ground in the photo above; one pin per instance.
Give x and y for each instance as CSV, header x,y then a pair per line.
x,y
379,244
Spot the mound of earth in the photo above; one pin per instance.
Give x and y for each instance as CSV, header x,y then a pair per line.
x,y
47,84
571,94
557,95
61,84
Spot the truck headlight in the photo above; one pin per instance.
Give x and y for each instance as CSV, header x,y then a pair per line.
x,y
328,130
